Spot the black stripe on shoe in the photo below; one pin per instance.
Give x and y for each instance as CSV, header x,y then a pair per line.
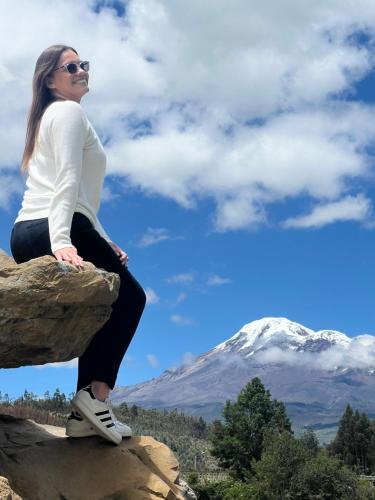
x,y
106,419
110,425
75,416
104,412
88,389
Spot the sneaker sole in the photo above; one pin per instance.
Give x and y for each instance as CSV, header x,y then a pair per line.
x,y
126,434
81,407
73,434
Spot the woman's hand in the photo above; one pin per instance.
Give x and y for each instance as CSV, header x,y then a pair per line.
x,y
123,255
69,254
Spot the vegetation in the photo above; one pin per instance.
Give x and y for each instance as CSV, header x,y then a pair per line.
x,y
186,436
267,462
51,410
354,443
239,440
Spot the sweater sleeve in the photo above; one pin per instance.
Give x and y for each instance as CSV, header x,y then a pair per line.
x,y
68,130
101,230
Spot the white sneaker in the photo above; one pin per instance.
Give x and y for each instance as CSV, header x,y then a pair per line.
x,y
97,413
121,428
77,426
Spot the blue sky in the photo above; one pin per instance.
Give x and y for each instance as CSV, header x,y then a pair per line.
x,y
240,167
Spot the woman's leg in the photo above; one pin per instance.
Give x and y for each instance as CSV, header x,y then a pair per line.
x,y
101,360
30,239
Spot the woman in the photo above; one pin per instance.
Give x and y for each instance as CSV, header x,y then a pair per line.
x,y
66,164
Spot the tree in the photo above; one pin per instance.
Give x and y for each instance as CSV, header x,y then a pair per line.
x,y
354,440
363,435
58,401
221,490
291,468
310,442
325,477
200,427
239,440
282,457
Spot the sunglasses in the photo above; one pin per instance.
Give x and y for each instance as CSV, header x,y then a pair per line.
x,y
73,67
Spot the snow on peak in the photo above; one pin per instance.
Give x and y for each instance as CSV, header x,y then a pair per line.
x,y
282,333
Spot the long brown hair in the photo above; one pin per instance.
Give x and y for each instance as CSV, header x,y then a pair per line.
x,y
42,96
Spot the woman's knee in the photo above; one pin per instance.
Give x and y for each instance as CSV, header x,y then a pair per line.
x,y
130,286
142,297
139,295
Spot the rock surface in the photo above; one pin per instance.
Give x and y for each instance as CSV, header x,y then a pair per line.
x,y
40,463
50,310
6,492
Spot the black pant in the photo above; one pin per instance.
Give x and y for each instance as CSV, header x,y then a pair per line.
x,y
102,358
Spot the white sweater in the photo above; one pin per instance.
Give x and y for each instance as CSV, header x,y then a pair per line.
x,y
66,172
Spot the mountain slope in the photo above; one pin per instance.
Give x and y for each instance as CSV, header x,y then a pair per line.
x,y
314,373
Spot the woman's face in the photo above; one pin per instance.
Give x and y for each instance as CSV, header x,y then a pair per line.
x,y
71,86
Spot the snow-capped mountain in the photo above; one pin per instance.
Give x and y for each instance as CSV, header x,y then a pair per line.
x,y
282,333
314,373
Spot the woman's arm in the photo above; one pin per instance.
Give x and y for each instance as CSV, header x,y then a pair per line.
x,y
123,256
68,131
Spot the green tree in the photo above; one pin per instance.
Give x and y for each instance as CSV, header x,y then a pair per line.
x,y
365,490
325,477
354,440
239,440
363,435
221,490
200,427
58,401
310,442
282,457
239,491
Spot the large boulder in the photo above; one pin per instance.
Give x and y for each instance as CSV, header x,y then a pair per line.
x,y
40,463
50,310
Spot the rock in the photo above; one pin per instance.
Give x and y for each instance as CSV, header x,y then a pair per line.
x,y
187,491
41,464
6,492
50,310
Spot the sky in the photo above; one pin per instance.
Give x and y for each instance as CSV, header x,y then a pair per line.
x,y
240,162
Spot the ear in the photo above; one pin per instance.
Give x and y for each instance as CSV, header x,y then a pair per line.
x,y
49,83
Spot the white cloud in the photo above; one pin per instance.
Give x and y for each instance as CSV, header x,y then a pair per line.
x,y
151,296
215,279
9,186
181,278
187,358
153,361
108,195
177,319
181,297
357,208
359,353
129,361
240,103
73,363
153,236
